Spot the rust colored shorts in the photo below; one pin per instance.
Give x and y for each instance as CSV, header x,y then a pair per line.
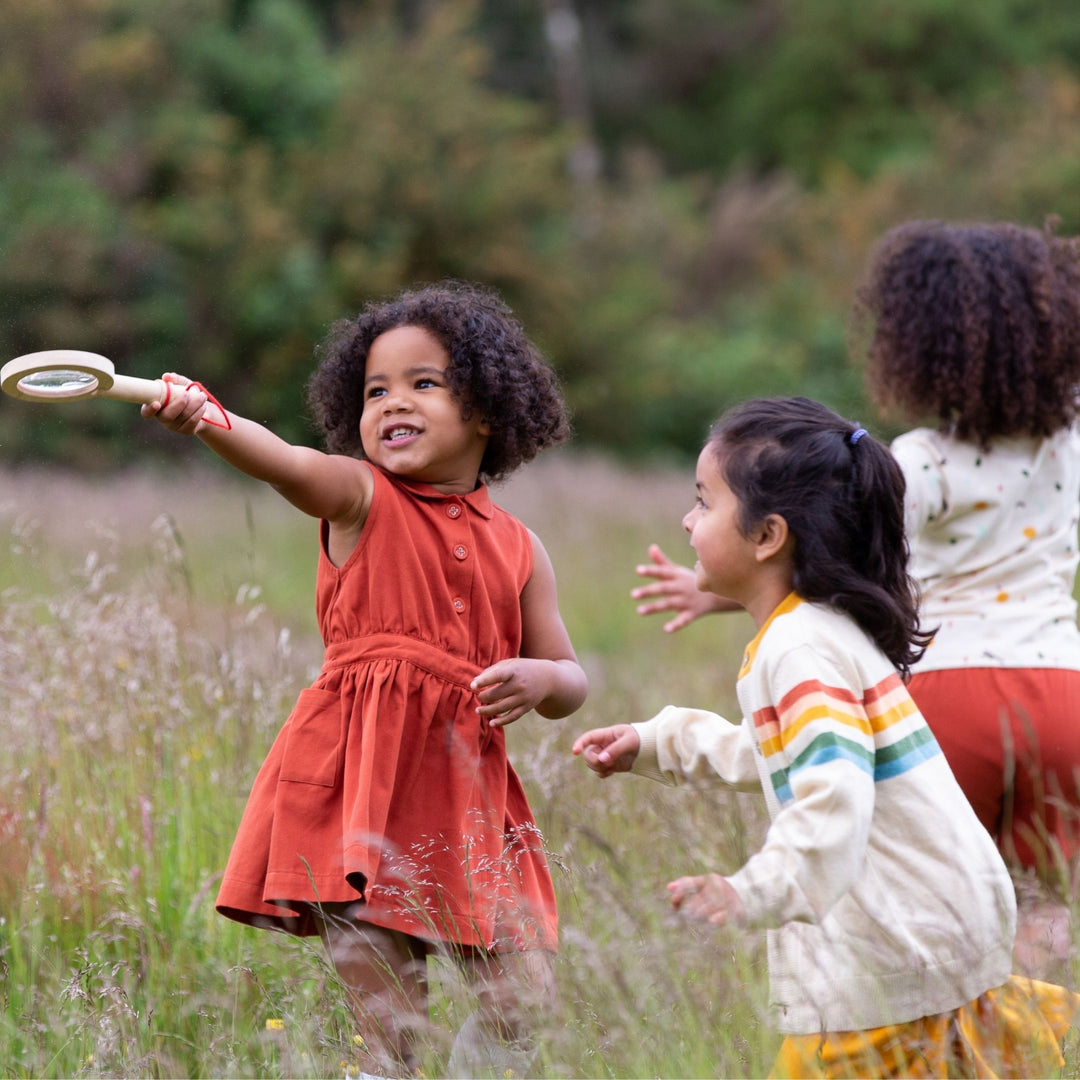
x,y
1012,737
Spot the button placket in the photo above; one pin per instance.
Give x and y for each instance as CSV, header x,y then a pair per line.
x,y
460,579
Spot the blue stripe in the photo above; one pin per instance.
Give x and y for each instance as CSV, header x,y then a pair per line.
x,y
822,750
887,770
889,761
826,748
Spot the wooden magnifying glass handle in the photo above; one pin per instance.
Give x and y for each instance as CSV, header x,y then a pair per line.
x,y
137,391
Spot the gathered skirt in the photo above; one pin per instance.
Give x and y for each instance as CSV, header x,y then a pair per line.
x,y
385,787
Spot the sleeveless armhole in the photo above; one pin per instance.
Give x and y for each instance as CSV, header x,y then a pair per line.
x,y
361,540
528,553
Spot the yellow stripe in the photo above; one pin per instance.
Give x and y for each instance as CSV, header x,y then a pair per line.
x,y
879,721
806,717
874,723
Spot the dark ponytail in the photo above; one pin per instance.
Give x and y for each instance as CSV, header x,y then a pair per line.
x,y
841,493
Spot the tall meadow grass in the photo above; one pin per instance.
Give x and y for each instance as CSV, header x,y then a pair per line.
x,y
154,634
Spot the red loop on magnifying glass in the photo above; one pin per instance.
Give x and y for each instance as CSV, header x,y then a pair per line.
x,y
224,422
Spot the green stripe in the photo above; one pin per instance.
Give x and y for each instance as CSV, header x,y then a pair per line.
x,y
904,746
832,745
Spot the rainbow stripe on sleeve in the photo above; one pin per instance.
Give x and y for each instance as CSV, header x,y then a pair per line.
x,y
883,735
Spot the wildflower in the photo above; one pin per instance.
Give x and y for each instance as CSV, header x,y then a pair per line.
x,y
275,1024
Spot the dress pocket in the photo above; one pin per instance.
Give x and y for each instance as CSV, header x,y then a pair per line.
x,y
316,738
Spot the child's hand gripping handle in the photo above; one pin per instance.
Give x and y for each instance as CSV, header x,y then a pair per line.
x,y
163,390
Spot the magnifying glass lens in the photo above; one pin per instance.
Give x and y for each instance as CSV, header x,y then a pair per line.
x,y
58,382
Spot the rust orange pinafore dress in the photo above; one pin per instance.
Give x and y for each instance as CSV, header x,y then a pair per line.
x,y
384,784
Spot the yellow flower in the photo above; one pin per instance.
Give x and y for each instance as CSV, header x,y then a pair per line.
x,y
275,1024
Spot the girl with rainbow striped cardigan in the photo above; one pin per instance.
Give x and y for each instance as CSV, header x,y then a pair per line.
x,y
890,913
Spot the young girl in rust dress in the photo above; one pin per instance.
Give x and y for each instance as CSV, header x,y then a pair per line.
x,y
387,817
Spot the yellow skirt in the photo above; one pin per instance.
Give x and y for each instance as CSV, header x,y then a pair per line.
x,y
1013,1031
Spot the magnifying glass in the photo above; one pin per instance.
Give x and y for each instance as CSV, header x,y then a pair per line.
x,y
70,374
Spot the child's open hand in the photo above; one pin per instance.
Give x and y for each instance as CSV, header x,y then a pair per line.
x,y
609,750
184,408
708,897
675,589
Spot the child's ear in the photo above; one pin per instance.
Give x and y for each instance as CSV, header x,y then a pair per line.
x,y
771,537
483,426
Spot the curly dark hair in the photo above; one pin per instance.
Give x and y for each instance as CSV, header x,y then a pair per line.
x,y
975,325
494,369
841,493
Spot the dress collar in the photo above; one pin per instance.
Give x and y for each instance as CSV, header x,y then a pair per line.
x,y
478,499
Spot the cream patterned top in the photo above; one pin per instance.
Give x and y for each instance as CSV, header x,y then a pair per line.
x,y
993,538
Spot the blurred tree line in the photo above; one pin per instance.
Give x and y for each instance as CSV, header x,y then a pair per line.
x,y
676,196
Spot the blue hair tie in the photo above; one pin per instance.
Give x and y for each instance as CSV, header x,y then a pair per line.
x,y
856,435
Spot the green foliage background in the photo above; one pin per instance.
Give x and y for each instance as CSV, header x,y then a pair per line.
x,y
205,185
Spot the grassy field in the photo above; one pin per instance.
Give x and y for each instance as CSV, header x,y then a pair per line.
x,y
154,633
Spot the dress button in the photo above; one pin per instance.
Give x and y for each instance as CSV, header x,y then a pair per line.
x,y
453,510
459,604
461,552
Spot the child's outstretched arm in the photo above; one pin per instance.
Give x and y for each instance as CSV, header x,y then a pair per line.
x,y
329,486
546,676
676,589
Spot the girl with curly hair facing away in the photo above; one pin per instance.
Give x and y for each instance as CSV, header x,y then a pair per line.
x,y
974,330
387,817
889,911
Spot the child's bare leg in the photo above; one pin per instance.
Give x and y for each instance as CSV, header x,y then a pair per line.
x,y
1043,941
385,974
512,992
1043,937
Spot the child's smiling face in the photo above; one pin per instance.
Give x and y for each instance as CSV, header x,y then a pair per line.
x,y
727,563
412,424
